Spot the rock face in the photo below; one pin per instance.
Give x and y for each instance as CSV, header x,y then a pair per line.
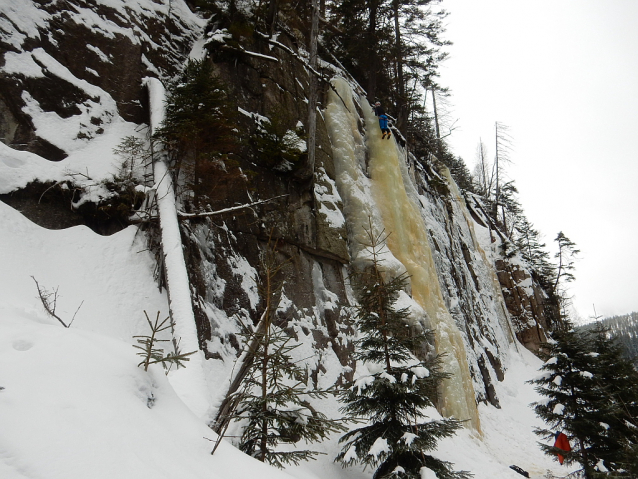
x,y
66,56
82,63
528,305
304,224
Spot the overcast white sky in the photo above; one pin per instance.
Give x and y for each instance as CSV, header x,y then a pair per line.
x,y
563,75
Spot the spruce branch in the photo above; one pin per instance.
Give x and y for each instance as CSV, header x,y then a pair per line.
x,y
151,353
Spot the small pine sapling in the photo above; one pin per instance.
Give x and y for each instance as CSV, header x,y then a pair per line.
x,y
151,353
134,153
273,404
393,398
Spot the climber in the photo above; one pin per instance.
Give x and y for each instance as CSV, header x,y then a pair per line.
x,y
383,120
562,443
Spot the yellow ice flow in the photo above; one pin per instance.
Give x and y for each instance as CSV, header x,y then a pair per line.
x,y
409,243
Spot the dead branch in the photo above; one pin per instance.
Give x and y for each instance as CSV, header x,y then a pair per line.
x,y
184,215
50,187
49,305
76,312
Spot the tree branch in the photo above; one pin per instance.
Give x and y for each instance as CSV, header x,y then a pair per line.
x,y
48,306
184,215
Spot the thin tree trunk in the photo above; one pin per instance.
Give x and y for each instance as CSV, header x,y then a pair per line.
x,y
313,94
436,124
263,446
402,115
382,320
264,366
487,187
372,45
229,403
273,10
497,193
560,266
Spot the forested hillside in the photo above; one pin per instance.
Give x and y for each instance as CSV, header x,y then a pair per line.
x,y
624,329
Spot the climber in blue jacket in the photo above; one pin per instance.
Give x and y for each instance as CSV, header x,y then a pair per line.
x,y
383,120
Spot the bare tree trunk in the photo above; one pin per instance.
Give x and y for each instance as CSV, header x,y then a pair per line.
x,y
436,124
402,107
273,10
486,184
263,443
497,192
313,93
372,45
229,403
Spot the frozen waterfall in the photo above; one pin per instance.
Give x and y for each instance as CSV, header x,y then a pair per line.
x,y
387,197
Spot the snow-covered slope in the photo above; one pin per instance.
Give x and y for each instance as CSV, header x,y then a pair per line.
x,y
75,405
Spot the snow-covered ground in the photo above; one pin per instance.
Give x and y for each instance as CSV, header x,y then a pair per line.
x,y
74,402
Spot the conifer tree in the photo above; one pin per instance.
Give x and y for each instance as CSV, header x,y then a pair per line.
x,y
199,129
572,405
398,435
511,208
528,241
589,396
274,402
150,350
617,383
566,255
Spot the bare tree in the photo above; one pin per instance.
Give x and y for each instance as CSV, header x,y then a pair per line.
x,y
483,172
503,149
313,87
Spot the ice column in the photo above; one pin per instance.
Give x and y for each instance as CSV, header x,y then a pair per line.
x,y
349,153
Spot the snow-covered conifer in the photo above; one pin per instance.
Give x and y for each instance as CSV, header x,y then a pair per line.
x,y
589,397
398,435
199,130
617,384
273,405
